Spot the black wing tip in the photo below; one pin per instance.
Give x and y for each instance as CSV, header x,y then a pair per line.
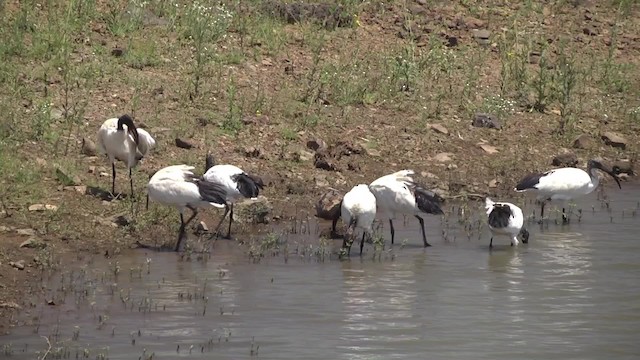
x,y
428,201
209,191
529,182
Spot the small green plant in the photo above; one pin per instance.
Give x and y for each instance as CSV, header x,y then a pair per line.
x,y
232,122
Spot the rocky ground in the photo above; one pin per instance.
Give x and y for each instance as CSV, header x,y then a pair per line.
x,y
472,95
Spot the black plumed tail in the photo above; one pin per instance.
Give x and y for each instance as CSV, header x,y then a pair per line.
x,y
530,181
428,201
211,192
500,215
249,186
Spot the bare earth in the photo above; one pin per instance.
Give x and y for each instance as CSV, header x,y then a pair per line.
x,y
377,88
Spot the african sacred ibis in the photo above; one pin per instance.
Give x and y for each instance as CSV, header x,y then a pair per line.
x,y
236,185
177,186
358,210
506,219
564,184
397,193
119,139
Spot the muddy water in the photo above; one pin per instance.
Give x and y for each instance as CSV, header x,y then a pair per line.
x,y
572,293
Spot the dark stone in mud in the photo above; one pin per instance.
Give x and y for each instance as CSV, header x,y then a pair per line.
x,y
345,148
452,41
317,144
117,52
322,162
622,167
486,120
583,141
252,152
614,139
567,159
328,206
353,166
253,211
328,15
88,147
203,121
183,144
294,188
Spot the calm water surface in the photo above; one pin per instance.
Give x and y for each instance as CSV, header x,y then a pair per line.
x,y
572,293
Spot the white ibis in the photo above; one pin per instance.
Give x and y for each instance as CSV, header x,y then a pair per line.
x,y
397,193
177,186
236,185
506,219
358,210
119,139
564,184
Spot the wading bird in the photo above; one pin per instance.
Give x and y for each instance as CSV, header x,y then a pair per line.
x,y
177,186
506,219
236,185
119,139
397,193
358,210
564,184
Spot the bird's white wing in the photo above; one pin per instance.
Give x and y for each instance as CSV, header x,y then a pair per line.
x,y
146,142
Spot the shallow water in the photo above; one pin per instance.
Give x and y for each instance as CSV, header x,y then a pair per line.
x,y
571,293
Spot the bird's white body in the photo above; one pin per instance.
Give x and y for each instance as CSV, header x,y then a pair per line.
x,y
393,195
359,204
513,225
170,186
565,184
120,145
223,175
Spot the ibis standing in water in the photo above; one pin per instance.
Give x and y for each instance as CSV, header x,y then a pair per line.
x,y
358,210
397,193
506,219
564,184
236,184
177,186
120,139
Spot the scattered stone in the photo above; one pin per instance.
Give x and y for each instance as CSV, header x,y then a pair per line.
x,y
443,157
489,149
202,121
534,57
493,183
252,152
428,175
26,232
66,179
353,166
622,167
104,174
33,243
6,229
583,141
438,128
17,264
51,302
473,23
486,120
56,114
42,207
255,120
117,51
322,162
328,206
41,162
452,41
614,139
591,31
9,305
345,148
317,144
92,170
88,147
120,220
482,36
295,188
372,152
252,211
183,144
566,159
321,181
302,156
104,222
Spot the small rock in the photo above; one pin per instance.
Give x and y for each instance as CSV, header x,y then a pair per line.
x,y
591,31
302,156
33,243
42,207
91,170
203,121
493,183
41,162
183,144
56,114
489,149
473,23
321,162
443,157
88,147
9,305
26,232
329,205
17,264
438,128
353,166
452,41
117,51
428,175
583,141
482,36
104,222
104,174
566,159
6,229
317,144
65,178
622,167
614,139
252,152
120,220
295,188
252,211
486,120
321,181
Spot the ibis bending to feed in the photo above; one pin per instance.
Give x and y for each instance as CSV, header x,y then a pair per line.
x,y
358,210
397,193
506,219
564,184
236,185
119,139
177,186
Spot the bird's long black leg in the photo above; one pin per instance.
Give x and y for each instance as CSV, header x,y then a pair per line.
x,y
565,219
226,211
542,211
393,231
333,227
362,242
230,222
424,236
131,182
183,226
491,242
113,179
